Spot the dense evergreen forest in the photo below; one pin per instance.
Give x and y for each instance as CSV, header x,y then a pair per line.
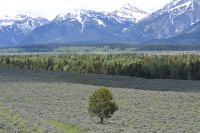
x,y
153,67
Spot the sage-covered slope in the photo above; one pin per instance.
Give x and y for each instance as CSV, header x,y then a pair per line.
x,y
41,97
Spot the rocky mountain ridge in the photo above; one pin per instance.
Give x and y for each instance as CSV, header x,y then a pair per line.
x,y
167,22
131,13
76,26
13,30
128,24
86,26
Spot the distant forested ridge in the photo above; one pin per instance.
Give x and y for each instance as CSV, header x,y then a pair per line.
x,y
137,65
106,47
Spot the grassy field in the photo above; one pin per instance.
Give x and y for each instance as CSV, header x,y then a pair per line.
x,y
52,101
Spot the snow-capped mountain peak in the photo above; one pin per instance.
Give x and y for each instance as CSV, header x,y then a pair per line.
x,y
84,17
128,5
170,20
178,7
24,16
80,12
131,12
8,21
15,28
79,15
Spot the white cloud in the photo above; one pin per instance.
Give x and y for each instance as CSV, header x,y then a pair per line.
x,y
51,8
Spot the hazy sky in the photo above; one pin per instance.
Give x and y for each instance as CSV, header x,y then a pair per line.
x,y
51,8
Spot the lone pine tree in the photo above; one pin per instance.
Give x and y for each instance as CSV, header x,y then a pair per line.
x,y
102,104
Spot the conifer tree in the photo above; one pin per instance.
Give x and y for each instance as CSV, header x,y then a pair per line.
x,y
102,104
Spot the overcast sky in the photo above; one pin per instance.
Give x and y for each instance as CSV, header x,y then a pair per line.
x,y
51,8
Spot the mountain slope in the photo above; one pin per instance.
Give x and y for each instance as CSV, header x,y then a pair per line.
x,y
167,22
77,26
190,35
85,26
192,29
191,38
13,30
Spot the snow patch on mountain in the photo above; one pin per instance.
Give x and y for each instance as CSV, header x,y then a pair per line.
x,y
177,4
124,30
171,4
100,22
181,8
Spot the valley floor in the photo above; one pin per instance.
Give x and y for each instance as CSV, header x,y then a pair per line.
x,y
145,105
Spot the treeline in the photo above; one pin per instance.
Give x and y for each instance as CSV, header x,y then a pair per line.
x,y
96,47
151,67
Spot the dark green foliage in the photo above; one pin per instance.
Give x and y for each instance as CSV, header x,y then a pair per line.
x,y
102,104
136,65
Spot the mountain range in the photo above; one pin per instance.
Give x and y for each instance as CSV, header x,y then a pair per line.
x,y
86,26
175,23
167,22
13,30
